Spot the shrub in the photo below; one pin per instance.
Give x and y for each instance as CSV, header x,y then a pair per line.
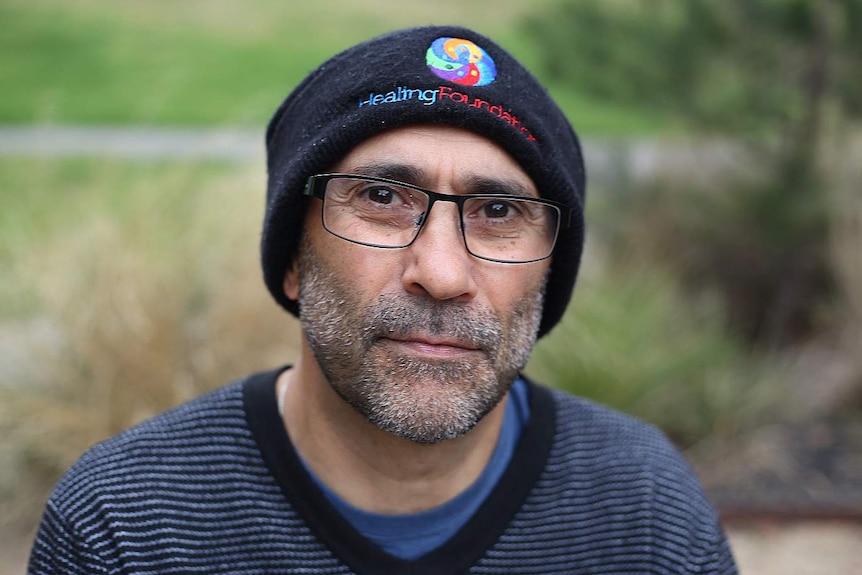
x,y
631,340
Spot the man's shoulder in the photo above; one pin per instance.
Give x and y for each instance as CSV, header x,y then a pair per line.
x,y
600,422
589,431
167,445
603,445
616,486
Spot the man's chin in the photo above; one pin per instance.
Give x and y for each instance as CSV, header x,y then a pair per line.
x,y
426,425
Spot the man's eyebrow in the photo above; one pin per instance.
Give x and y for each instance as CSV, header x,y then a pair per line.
x,y
400,172
485,185
472,184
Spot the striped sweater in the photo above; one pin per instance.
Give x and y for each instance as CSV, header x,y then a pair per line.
x,y
214,486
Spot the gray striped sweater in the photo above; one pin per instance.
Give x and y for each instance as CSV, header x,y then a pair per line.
x,y
214,486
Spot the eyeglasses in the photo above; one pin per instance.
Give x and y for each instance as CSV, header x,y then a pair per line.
x,y
383,213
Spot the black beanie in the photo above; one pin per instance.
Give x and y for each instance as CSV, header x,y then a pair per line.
x,y
431,75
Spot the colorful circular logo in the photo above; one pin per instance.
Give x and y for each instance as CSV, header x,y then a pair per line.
x,y
460,61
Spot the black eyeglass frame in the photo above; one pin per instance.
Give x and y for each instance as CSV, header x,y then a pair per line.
x,y
316,187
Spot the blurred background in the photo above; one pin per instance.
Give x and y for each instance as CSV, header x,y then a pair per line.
x,y
720,297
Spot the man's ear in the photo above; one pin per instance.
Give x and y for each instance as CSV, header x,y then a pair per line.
x,y
291,281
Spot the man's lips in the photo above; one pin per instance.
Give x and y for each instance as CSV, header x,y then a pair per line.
x,y
430,346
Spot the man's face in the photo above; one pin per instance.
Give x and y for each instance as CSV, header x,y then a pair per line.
x,y
425,340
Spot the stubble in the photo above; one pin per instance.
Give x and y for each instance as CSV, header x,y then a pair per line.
x,y
423,400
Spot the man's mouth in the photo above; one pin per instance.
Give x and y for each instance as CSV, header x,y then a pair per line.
x,y
430,346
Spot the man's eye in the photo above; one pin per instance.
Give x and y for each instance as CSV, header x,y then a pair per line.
x,y
380,195
496,210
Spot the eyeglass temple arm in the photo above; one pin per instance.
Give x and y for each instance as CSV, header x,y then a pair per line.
x,y
315,186
565,216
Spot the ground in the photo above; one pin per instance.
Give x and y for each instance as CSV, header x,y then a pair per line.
x,y
798,548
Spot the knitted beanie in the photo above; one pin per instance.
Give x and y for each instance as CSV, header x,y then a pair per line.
x,y
431,75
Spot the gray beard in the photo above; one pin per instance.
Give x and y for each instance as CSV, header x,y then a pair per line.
x,y
425,401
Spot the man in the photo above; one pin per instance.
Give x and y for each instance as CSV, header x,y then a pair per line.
x,y
425,221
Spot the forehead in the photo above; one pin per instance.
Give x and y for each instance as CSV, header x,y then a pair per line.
x,y
439,156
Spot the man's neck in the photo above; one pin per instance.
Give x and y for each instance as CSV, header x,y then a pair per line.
x,y
370,468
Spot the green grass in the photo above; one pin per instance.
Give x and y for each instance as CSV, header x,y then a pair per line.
x,y
83,65
205,62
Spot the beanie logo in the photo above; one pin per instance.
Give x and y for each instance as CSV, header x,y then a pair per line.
x,y
460,61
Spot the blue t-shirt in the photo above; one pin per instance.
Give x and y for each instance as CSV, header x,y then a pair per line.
x,y
415,534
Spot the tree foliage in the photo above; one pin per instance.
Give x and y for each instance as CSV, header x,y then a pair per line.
x,y
724,66
768,73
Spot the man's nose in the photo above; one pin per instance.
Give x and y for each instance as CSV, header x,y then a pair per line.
x,y
438,263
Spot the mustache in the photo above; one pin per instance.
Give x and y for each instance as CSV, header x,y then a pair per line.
x,y
402,316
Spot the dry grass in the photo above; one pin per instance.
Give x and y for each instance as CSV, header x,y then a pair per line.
x,y
141,325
